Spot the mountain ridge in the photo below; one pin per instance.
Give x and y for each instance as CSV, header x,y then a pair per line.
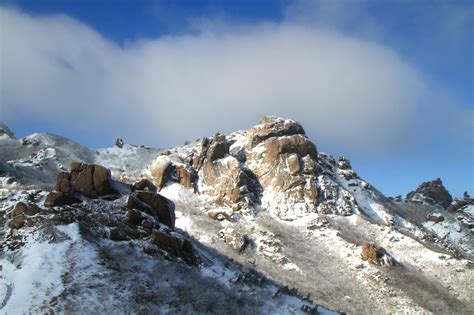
x,y
265,199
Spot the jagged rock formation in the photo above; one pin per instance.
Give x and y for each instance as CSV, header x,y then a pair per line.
x,y
432,191
5,132
154,204
84,179
273,165
459,203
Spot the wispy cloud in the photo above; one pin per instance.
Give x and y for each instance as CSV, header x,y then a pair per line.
x,y
351,95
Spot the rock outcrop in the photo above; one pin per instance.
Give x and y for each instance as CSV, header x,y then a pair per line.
x,y
88,179
164,170
283,160
5,132
433,192
434,217
376,255
234,239
459,203
174,244
25,208
153,204
20,212
273,165
161,170
57,199
144,184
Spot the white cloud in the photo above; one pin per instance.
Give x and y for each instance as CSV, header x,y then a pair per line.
x,y
350,95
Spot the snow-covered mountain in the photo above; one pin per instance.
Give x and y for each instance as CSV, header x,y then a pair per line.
x,y
260,221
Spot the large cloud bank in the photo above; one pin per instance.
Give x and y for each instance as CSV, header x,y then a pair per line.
x,y
351,95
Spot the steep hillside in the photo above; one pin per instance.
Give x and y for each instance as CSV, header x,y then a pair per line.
x,y
272,225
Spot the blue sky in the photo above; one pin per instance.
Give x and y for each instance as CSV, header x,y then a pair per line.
x,y
387,83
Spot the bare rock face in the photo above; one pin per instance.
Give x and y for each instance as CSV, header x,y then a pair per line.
x,y
222,177
185,176
161,170
218,148
175,245
434,192
199,156
155,205
222,181
283,160
272,164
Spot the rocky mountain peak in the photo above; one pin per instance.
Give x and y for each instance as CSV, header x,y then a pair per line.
x,y
5,132
272,165
432,191
272,126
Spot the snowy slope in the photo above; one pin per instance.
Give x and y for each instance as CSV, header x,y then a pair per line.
x,y
287,267
56,266
36,159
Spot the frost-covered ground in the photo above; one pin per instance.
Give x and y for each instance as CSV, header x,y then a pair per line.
x,y
35,160
320,256
57,267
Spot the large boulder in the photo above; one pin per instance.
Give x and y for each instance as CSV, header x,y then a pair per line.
x,y
88,179
153,204
84,182
376,255
234,239
144,184
102,181
17,222
161,170
57,199
25,208
174,244
434,192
